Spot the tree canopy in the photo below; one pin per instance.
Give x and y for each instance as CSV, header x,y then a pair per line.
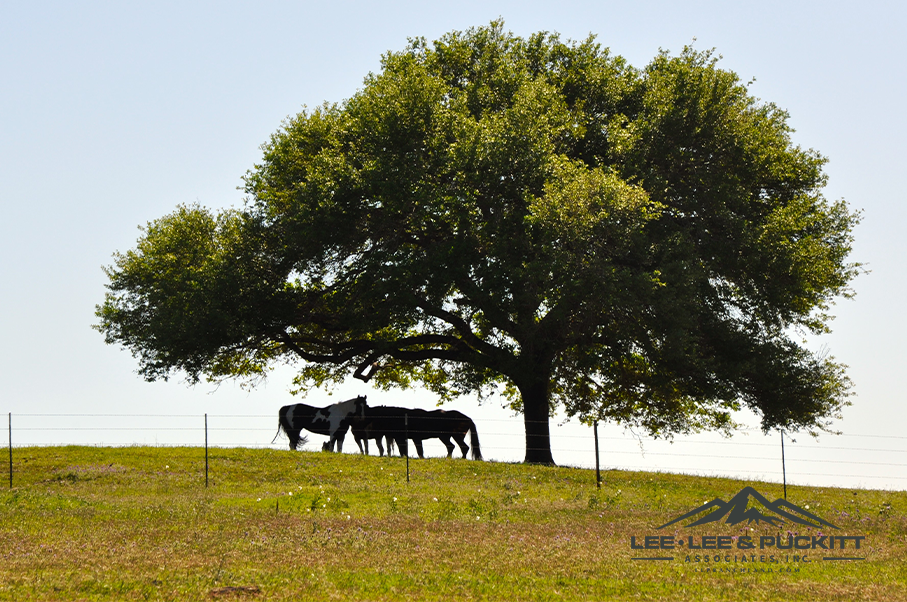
x,y
529,216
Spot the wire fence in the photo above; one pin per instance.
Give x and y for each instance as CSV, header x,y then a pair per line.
x,y
859,460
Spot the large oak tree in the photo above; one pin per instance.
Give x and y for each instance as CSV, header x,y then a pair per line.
x,y
525,215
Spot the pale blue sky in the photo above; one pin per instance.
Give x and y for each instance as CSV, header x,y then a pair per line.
x,y
113,113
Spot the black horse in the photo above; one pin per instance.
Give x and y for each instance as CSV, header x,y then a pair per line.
x,y
333,421
381,422
443,424
398,425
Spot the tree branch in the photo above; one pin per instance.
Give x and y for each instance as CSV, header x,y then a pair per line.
x,y
468,336
456,350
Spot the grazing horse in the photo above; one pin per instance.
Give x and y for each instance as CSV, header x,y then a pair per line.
x,y
443,424
333,421
400,424
381,422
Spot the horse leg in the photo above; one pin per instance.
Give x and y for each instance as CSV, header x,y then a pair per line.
x,y
461,441
340,437
418,443
380,447
448,445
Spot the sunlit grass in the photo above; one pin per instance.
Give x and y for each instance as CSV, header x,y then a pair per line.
x,y
138,523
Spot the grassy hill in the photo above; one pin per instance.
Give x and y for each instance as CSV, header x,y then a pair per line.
x,y
137,523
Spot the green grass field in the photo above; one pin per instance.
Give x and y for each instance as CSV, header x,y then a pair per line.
x,y
137,523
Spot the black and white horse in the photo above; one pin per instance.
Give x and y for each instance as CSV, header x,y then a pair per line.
x,y
333,421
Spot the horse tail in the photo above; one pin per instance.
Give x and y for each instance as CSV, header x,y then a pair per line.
x,y
285,422
474,440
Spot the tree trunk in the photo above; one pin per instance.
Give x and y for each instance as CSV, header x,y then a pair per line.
x,y
535,415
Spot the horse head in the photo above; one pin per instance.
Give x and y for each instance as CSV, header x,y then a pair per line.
x,y
361,404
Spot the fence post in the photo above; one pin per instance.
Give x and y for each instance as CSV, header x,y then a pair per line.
x,y
406,442
783,466
10,450
598,473
206,450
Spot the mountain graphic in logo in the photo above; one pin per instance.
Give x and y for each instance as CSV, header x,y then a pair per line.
x,y
737,510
